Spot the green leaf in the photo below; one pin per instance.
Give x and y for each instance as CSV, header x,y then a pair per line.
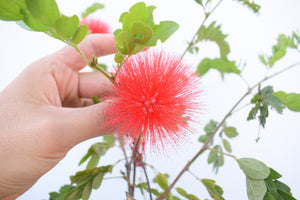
x,y
162,181
91,9
269,196
162,32
263,59
223,66
274,174
109,139
279,50
66,26
281,186
96,100
10,11
80,34
74,196
93,162
44,11
227,146
290,100
84,158
31,23
141,32
214,190
125,42
87,191
252,5
275,102
213,33
271,186
212,157
256,188
199,2
203,138
183,193
210,127
97,181
285,195
230,132
138,12
253,168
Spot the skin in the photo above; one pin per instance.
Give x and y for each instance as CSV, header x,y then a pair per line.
x,y
47,110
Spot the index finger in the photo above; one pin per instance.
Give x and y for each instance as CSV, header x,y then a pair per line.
x,y
94,44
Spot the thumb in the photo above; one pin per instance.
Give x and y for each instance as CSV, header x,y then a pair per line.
x,y
79,124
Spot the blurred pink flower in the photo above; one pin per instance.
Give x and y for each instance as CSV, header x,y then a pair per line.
x,y
154,99
96,25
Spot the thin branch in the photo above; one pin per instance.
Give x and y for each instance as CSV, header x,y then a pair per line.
x,y
147,179
193,42
205,145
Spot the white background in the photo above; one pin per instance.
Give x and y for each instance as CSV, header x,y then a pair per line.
x,y
248,35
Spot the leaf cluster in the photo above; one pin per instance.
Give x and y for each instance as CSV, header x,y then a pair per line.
x,y
139,31
214,190
262,100
97,150
43,16
82,184
213,33
280,49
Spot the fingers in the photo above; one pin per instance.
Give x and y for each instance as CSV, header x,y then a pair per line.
x,y
79,124
94,44
93,84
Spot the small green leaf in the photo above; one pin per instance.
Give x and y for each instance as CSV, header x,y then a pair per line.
x,y
210,127
290,100
142,32
96,100
213,33
256,188
203,138
263,59
252,5
162,32
275,102
214,190
227,146
125,42
97,181
10,11
84,158
80,34
66,26
212,157
274,174
253,168
87,191
46,11
223,66
32,23
93,162
230,132
109,139
183,193
285,195
91,9
271,186
269,196
281,186
162,181
199,2
74,196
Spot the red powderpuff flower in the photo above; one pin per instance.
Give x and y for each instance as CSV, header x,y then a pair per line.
x,y
154,100
96,25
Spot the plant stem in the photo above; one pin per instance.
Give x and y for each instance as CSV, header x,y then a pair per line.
x,y
221,152
205,145
147,179
193,42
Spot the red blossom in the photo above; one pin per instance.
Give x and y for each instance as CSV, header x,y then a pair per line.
x,y
154,100
96,25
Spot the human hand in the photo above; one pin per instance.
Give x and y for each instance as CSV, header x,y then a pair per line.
x,y
42,115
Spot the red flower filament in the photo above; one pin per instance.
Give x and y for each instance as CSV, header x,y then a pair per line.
x,y
96,25
154,100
